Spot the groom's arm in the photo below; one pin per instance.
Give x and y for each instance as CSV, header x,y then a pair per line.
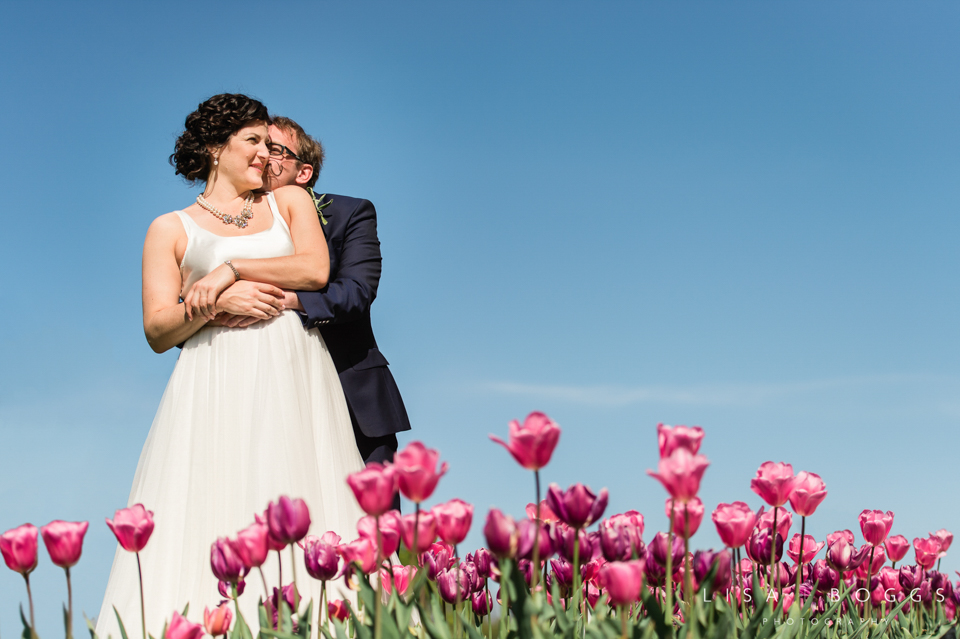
x,y
354,286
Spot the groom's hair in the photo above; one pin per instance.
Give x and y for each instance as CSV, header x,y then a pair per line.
x,y
309,149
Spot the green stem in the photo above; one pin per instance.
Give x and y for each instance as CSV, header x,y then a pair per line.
x,y
803,531
668,591
69,606
378,606
868,603
236,605
504,598
536,539
143,614
33,625
688,577
296,591
743,602
773,551
456,604
623,622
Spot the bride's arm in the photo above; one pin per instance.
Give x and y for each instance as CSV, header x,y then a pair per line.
x,y
165,323
307,269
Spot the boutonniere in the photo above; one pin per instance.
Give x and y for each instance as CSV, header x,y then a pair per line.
x,y
317,204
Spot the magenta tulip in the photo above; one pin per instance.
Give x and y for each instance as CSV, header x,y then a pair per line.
x,y
426,531
338,610
501,533
659,547
840,534
64,541
875,526
361,552
252,545
686,517
288,519
453,520
774,482
19,548
927,551
890,579
398,577
546,515
897,547
132,527
225,588
217,621
784,521
390,529
735,523
448,587
417,473
273,544
946,540
870,568
180,628
374,487
438,557
620,537
622,581
532,443
810,548
680,473
482,603
842,555
225,560
321,558
808,491
577,507
671,438
483,560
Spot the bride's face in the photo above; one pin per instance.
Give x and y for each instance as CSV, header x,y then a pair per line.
x,y
244,157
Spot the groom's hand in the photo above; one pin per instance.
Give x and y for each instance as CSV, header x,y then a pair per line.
x,y
251,299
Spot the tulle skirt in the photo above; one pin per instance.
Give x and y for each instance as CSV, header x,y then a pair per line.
x,y
248,415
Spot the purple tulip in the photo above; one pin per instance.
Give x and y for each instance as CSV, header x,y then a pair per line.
x,y
657,548
620,541
577,507
527,530
562,571
482,603
483,560
761,545
842,555
825,576
322,560
703,562
225,560
224,588
502,535
911,577
563,538
438,557
469,578
288,520
447,584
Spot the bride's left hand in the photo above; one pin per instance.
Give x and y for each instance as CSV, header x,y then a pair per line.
x,y
202,299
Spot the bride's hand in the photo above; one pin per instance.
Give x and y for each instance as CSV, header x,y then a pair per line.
x,y
254,299
202,298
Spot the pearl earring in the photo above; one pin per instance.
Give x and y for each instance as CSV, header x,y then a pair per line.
x,y
216,162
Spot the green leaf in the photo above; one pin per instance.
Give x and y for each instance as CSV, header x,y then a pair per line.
x,y
286,620
305,620
663,629
435,623
123,631
264,614
92,628
240,629
66,622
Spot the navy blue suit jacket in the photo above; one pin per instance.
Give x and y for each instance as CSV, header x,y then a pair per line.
x,y
341,311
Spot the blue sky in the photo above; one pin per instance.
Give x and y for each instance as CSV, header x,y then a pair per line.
x,y
740,215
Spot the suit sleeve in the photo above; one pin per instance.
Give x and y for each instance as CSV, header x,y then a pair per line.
x,y
354,287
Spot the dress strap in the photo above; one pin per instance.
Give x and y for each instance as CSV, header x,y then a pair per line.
x,y
189,226
277,218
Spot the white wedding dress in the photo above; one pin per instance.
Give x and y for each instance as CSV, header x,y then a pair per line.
x,y
248,415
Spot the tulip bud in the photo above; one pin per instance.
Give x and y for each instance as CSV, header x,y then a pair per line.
x,y
483,560
217,621
501,534
252,546
469,579
180,628
481,603
824,576
686,516
619,539
374,487
784,521
132,527
875,526
762,545
897,547
288,519
532,443
447,584
562,572
322,560
527,531
398,577
577,507
658,549
225,560
19,548
64,541
225,589
417,475
453,520
622,581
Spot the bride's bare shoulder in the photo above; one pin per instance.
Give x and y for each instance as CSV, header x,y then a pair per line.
x,y
167,227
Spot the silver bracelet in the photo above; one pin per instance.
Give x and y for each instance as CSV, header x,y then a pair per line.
x,y
233,268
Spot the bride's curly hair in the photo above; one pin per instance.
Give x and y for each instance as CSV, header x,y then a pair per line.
x,y
211,125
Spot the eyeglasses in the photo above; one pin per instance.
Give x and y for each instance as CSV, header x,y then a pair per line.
x,y
280,151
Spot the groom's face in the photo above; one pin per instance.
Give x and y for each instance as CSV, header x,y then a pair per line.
x,y
284,171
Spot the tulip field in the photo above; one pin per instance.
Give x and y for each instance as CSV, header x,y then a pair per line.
x,y
565,570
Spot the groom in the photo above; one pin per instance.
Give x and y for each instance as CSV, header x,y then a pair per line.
x,y
341,310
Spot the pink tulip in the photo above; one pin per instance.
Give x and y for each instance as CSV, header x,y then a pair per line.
x,y
680,473
225,560
19,548
338,610
577,507
288,519
875,526
64,541
426,531
132,527
620,536
374,487
622,581
399,576
784,521
671,438
869,567
226,589
946,540
501,533
808,491
686,517
321,557
453,520
890,579
437,558
532,443
217,621
897,547
416,467
810,548
546,515
840,534
273,544
735,523
252,545
390,528
774,482
180,628
361,552
927,551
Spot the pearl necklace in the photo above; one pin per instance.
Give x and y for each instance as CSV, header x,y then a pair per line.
x,y
240,220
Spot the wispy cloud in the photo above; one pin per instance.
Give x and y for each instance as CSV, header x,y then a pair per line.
x,y
738,394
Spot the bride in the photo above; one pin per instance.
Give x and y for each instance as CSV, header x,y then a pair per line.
x,y
249,414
